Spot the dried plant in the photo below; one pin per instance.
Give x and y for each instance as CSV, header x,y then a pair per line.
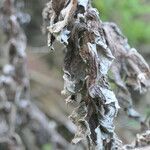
x,y
97,55
92,49
129,71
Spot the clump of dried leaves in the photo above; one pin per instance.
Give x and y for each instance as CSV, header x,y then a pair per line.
x,y
92,49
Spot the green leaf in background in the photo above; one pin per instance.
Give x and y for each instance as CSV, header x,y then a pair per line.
x,y
132,16
47,147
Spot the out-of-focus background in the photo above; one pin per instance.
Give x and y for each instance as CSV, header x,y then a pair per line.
x,y
45,68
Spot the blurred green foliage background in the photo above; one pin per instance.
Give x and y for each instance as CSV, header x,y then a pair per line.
x,y
132,16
